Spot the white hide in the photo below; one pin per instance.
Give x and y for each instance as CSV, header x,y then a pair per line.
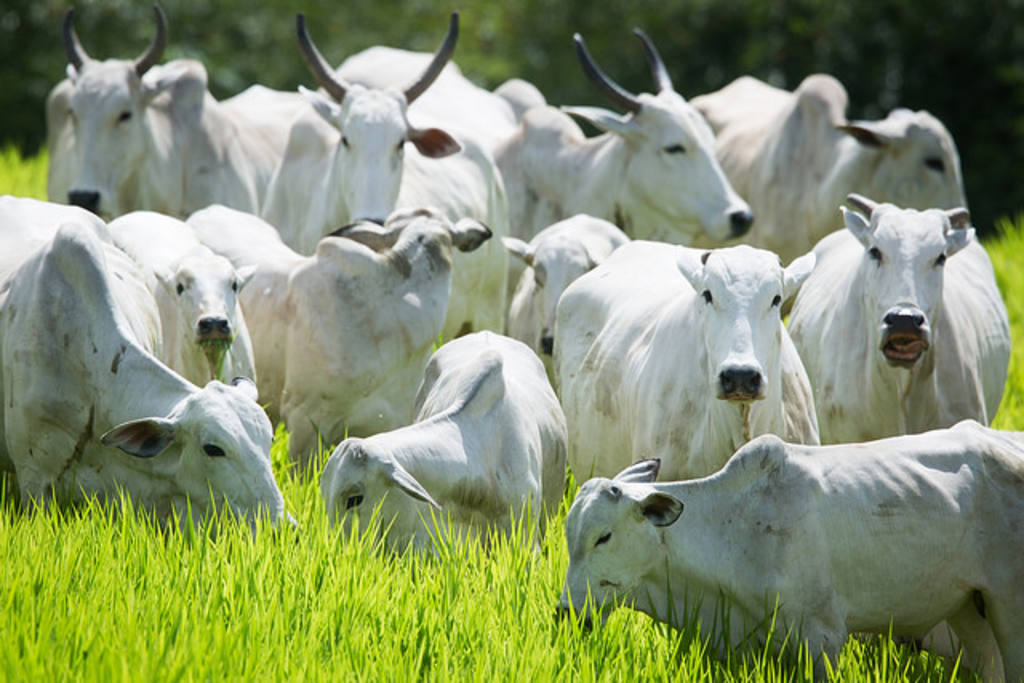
x,y
341,337
346,161
670,352
891,536
925,265
652,171
162,142
204,332
79,380
794,157
486,451
552,260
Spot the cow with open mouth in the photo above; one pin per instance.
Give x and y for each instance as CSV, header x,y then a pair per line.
x,y
901,327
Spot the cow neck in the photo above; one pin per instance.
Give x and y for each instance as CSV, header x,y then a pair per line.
x,y
592,167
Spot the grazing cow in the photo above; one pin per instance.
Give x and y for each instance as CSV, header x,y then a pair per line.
x,y
670,352
346,162
794,156
341,337
130,134
80,382
653,172
196,291
901,326
487,448
556,257
891,536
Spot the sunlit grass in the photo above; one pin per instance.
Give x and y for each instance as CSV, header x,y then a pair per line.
x,y
23,177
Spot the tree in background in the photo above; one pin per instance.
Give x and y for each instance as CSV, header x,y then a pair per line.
x,y
963,61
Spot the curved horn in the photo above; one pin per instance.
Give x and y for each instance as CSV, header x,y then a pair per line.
x,y
155,50
441,57
612,90
77,56
317,64
658,70
861,203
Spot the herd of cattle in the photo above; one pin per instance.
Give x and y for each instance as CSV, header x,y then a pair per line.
x,y
295,242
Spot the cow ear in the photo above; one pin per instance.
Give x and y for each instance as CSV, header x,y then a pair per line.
x,y
959,217
143,438
641,472
691,264
468,234
605,120
401,478
247,387
162,77
858,225
796,273
661,509
434,142
243,275
866,133
518,248
957,239
328,109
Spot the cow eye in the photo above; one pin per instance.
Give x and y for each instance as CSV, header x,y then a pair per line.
x,y
353,501
181,288
213,451
707,296
875,254
234,285
603,539
344,142
401,146
777,300
941,260
935,163
675,149
125,115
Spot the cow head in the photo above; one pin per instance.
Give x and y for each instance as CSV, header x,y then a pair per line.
x,y
911,160
360,480
614,531
739,292
215,448
672,168
205,287
107,113
905,252
552,265
373,129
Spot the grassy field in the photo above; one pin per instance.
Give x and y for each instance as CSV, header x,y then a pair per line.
x,y
87,595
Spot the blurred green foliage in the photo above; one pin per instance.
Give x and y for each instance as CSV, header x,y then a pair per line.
x,y
963,61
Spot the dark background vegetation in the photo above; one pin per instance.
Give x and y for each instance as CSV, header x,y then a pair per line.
x,y
963,60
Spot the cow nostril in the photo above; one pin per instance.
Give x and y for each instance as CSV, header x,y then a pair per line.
x,y
87,199
740,222
890,318
918,319
213,326
547,344
744,381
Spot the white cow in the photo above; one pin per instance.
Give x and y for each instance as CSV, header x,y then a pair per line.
x,y
794,157
552,260
891,536
670,352
653,172
345,162
79,380
487,448
341,337
204,332
901,326
130,134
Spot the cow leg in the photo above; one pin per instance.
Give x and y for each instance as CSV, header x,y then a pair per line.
x,y
1006,617
977,641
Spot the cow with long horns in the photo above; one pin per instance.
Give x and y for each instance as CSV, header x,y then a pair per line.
x,y
129,134
652,172
346,162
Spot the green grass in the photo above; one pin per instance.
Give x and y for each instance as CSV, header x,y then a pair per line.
x,y
89,595
24,177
